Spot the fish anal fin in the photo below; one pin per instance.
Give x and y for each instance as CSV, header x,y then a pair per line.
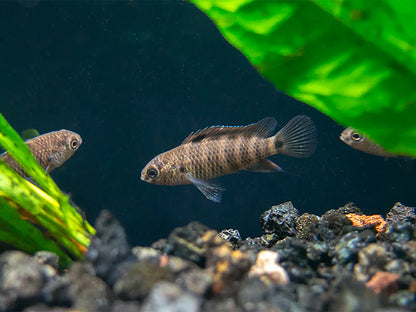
x,y
210,190
264,165
263,128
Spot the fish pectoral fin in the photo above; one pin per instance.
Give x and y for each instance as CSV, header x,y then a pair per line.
x,y
210,190
264,165
50,159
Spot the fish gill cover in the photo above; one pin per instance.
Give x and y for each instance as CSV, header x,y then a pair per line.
x,y
59,227
353,60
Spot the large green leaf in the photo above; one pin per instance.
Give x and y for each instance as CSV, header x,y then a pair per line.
x,y
47,207
18,232
353,60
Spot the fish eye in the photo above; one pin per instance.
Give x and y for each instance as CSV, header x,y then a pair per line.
x,y
356,136
152,173
74,144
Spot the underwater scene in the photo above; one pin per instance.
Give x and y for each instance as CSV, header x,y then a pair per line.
x,y
207,155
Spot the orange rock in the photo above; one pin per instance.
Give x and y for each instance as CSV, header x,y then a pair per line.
x,y
383,282
362,220
412,287
227,266
163,260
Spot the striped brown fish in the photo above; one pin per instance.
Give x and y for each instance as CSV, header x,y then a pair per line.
x,y
221,150
50,150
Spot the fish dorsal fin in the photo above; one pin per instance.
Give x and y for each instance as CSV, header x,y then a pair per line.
x,y
263,129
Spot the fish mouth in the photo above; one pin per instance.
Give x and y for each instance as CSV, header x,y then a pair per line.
x,y
143,177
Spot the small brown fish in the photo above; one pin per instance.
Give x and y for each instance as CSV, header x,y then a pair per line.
x,y
50,150
222,150
360,142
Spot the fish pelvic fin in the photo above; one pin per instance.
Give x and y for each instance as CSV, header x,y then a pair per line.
x,y
210,190
297,138
264,165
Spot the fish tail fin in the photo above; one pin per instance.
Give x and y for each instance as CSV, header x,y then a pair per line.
x,y
298,138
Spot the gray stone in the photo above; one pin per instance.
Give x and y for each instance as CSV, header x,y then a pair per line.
x,y
196,281
371,259
186,242
146,254
109,250
346,250
47,257
139,280
21,280
167,297
80,289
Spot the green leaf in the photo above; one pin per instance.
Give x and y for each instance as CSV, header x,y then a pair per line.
x,y
47,207
353,60
18,232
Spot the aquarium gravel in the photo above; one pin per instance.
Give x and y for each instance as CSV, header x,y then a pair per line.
x,y
310,263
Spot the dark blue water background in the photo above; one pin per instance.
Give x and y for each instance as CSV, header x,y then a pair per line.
x,y
134,78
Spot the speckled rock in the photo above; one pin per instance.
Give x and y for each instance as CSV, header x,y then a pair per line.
x,y
317,253
280,220
400,213
346,250
167,297
399,266
293,257
337,223
309,227
139,279
291,249
325,263
349,208
349,295
109,250
371,259
401,232
404,298
258,243
231,235
410,250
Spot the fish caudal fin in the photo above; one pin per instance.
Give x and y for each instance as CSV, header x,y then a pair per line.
x,y
210,190
298,138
